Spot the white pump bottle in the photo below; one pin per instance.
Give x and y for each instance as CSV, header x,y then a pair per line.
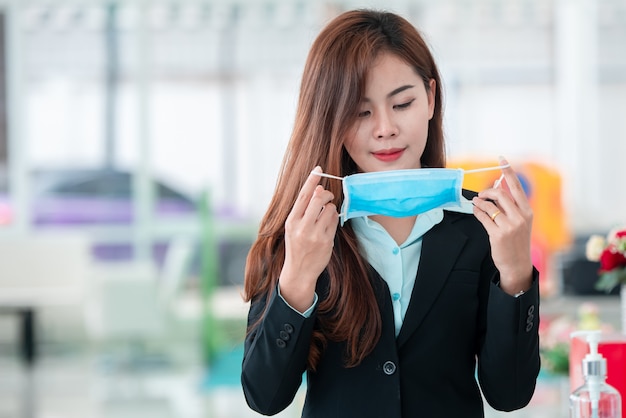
x,y
595,398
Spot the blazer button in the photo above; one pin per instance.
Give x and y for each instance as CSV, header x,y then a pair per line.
x,y
288,328
389,368
284,335
281,343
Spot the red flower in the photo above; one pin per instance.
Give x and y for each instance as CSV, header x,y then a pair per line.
x,y
611,258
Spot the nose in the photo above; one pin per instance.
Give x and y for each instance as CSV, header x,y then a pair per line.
x,y
384,126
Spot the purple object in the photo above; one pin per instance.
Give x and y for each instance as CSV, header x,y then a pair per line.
x,y
74,198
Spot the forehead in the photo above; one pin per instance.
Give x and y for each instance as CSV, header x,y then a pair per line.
x,y
389,69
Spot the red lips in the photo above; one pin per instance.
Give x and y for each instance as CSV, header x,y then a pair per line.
x,y
389,154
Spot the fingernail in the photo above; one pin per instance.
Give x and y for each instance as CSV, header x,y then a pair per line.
x,y
502,160
317,169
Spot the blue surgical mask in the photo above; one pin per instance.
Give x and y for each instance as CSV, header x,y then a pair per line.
x,y
400,193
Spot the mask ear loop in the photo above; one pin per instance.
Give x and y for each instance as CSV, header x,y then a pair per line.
x,y
345,197
330,176
497,167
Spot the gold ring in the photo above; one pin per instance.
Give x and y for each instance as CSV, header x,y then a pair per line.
x,y
496,213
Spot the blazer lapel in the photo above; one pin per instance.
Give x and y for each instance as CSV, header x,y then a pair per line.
x,y
441,247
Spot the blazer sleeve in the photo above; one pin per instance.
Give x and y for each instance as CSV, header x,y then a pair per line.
x,y
275,354
509,363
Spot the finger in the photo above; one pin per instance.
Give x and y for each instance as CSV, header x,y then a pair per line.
x,y
489,200
514,186
319,199
495,215
328,215
484,218
508,193
511,209
488,207
304,197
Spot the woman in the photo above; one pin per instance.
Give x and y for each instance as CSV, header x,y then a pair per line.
x,y
389,316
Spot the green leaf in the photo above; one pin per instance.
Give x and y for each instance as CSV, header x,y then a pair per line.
x,y
556,359
609,280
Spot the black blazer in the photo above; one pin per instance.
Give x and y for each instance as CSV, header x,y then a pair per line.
x,y
460,328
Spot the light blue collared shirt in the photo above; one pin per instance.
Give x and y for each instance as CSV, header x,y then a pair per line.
x,y
397,264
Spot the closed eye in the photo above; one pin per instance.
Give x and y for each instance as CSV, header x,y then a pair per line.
x,y
404,105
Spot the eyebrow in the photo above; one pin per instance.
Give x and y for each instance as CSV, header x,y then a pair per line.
x,y
400,90
395,91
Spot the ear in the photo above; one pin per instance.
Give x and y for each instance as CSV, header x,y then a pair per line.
x,y
432,89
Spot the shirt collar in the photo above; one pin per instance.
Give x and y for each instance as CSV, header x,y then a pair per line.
x,y
369,229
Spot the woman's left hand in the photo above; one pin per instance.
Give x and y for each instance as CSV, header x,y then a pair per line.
x,y
506,214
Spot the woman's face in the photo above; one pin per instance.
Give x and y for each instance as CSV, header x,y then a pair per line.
x,y
392,125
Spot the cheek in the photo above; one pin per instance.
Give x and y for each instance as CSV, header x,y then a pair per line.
x,y
419,125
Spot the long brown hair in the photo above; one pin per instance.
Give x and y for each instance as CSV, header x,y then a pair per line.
x,y
332,86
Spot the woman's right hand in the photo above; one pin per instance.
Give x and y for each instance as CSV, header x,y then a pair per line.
x,y
309,237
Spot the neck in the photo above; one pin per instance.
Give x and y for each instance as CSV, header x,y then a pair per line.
x,y
398,228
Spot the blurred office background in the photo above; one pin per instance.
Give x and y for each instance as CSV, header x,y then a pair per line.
x,y
139,147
